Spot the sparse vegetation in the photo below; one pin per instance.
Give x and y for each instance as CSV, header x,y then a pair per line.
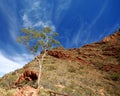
x,y
72,69
118,56
114,76
82,72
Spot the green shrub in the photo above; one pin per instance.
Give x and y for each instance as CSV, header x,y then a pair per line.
x,y
10,92
71,70
114,76
50,68
2,92
98,65
43,92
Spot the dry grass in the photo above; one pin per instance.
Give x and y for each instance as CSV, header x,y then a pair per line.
x,y
69,77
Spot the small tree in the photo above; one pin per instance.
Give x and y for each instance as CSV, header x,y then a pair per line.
x,y
36,40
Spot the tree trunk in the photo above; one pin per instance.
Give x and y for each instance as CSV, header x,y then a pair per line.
x,y
40,68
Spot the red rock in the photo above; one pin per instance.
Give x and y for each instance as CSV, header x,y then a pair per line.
x,y
27,75
111,67
58,54
26,91
81,60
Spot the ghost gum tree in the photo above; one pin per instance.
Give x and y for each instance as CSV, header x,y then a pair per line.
x,y
36,41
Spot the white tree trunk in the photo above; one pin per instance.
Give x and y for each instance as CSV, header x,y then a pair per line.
x,y
40,69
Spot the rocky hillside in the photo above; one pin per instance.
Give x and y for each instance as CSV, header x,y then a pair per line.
x,y
92,70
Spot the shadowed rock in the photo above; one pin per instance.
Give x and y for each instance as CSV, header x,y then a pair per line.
x,y
27,75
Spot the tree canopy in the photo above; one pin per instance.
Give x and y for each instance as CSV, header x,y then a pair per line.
x,y
35,40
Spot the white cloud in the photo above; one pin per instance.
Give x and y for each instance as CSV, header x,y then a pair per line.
x,y
44,24
36,5
7,65
40,23
27,22
36,15
22,59
17,61
64,4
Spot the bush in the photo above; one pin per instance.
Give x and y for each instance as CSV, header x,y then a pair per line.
x,y
51,68
10,92
2,92
72,70
114,76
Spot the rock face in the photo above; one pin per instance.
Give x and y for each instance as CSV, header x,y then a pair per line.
x,y
27,75
113,38
110,38
59,54
111,67
26,91
67,55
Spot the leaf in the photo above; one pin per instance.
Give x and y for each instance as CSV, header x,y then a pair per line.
x,y
36,34
26,31
47,30
41,42
42,35
34,39
55,34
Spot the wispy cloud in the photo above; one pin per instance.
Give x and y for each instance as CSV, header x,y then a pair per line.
x,y
22,58
10,13
86,28
35,15
100,13
39,13
109,31
27,22
78,37
62,6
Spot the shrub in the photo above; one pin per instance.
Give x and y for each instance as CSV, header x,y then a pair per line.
x,y
43,92
72,69
2,92
10,92
51,68
114,76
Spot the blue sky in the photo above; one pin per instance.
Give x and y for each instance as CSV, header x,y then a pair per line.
x,y
78,22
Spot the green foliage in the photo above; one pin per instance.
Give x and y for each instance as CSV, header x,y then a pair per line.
x,y
71,69
114,76
51,68
34,40
43,92
8,81
2,92
10,92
